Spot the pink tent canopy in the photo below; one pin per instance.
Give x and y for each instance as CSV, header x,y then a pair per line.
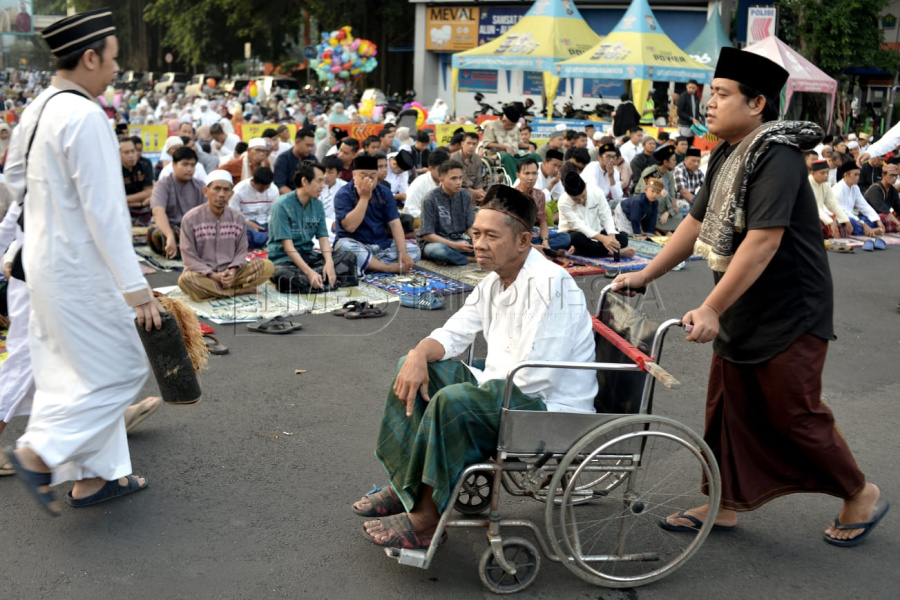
x,y
803,75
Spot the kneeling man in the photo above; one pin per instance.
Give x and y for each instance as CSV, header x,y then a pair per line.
x,y
442,415
214,247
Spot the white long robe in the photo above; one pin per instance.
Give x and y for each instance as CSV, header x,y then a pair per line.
x,y
16,378
82,275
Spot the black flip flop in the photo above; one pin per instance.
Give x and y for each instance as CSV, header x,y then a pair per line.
x,y
366,312
350,306
34,481
110,490
275,325
881,508
214,346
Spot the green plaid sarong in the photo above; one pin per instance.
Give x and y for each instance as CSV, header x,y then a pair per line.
x,y
459,427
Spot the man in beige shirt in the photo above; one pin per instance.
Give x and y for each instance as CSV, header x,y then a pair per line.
x,y
473,179
502,141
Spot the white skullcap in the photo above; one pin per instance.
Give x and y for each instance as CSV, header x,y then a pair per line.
x,y
852,136
852,145
219,175
257,143
561,127
598,136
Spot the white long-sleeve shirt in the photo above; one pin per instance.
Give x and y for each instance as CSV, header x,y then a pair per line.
x,y
628,151
888,142
590,219
543,315
594,175
852,201
415,194
827,203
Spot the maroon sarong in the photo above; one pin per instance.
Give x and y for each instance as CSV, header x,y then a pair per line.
x,y
771,432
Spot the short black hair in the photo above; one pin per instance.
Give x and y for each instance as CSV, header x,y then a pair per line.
x,y
580,135
459,138
438,157
184,153
69,62
216,129
581,156
125,138
306,170
571,135
270,133
449,165
526,128
241,147
372,139
811,153
304,132
422,136
770,110
386,131
471,135
663,136
524,163
137,140
263,176
332,162
353,143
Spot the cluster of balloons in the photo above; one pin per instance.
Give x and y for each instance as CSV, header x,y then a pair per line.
x,y
341,56
423,114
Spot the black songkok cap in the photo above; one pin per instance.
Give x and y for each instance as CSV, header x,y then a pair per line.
x,y
894,160
405,160
551,154
338,133
692,152
365,162
79,31
820,165
573,184
604,148
848,166
753,70
511,202
664,153
511,112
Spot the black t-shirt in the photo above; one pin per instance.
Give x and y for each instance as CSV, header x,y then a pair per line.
x,y
139,178
793,296
883,200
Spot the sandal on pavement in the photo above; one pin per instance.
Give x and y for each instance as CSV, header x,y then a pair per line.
x,y
879,244
6,467
148,406
697,524
353,305
110,490
34,481
881,508
366,312
385,503
423,301
214,346
868,246
401,534
276,325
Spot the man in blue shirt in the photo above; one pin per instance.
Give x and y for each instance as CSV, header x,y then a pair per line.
x,y
368,223
637,215
296,219
304,143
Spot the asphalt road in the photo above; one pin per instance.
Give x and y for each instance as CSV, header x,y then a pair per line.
x,y
250,490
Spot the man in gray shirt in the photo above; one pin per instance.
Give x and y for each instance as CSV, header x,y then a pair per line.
x,y
445,228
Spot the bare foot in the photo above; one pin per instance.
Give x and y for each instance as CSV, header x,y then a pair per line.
x,y
856,510
423,526
31,461
724,518
626,252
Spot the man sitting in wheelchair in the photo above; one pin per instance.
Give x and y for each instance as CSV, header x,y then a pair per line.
x,y
441,415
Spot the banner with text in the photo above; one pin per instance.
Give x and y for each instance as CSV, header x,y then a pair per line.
x,y
443,133
255,130
494,21
451,28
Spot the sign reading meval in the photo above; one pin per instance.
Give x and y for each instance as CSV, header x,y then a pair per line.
x,y
451,28
495,21
761,21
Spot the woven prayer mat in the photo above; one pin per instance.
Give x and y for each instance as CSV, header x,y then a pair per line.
x,y
852,242
650,248
269,302
470,274
157,261
889,239
417,282
575,270
625,265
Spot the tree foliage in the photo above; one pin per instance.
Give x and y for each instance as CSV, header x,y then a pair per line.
x,y
837,35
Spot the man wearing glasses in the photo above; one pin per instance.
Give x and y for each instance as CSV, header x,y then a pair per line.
x,y
885,199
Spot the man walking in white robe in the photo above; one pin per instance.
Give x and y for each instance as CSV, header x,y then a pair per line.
x,y
85,284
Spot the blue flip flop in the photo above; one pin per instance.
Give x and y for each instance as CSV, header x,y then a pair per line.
x,y
34,481
692,529
868,246
110,490
879,244
881,509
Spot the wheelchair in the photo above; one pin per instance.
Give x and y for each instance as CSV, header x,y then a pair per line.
x,y
492,172
606,479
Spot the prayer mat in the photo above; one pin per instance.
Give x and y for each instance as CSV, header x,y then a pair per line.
x,y
417,282
139,235
575,270
269,302
158,262
889,239
650,248
625,265
852,242
470,274
3,352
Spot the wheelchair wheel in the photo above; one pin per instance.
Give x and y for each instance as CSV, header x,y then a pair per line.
x,y
521,554
616,540
475,496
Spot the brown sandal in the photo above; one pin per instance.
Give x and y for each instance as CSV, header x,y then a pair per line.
x,y
401,534
385,503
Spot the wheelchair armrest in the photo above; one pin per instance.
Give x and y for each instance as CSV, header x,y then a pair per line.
x,y
549,364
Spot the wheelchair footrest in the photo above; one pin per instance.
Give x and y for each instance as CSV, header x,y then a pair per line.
x,y
412,558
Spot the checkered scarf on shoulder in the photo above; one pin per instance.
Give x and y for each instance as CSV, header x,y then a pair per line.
x,y
726,212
